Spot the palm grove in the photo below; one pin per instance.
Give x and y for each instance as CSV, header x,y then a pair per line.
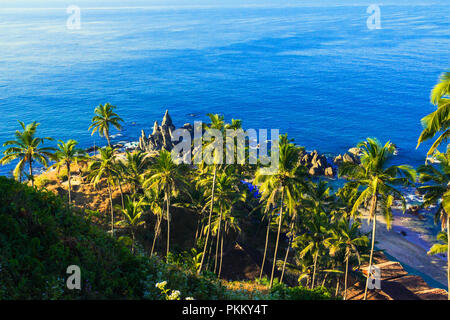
x,y
311,233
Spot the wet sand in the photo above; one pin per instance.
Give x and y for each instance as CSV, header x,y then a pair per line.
x,y
406,252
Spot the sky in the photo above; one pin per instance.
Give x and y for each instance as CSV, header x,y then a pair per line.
x,y
139,3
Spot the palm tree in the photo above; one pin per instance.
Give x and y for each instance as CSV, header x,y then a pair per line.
x,y
27,148
119,177
346,236
135,165
379,180
269,216
104,118
436,190
310,196
169,177
275,188
225,196
439,120
230,223
65,155
133,213
105,168
155,199
217,123
317,227
197,204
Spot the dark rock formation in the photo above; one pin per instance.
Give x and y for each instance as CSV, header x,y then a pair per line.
x,y
351,156
160,138
316,164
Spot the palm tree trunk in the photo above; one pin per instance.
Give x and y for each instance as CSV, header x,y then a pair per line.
x,y
168,226
107,137
209,221
448,256
278,238
314,269
324,279
284,263
265,249
209,255
202,231
221,249
346,279
373,214
31,171
218,239
112,208
68,180
338,282
158,224
197,230
121,193
287,250
132,242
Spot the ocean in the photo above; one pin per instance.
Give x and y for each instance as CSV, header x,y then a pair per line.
x,y
317,73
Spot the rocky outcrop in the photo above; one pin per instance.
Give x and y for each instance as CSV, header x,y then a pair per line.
x,y
161,137
316,164
352,156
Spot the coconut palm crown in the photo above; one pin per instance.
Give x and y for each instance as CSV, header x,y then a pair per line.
x,y
65,155
439,120
27,148
379,181
103,120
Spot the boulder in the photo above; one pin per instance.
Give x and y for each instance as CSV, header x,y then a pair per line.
x,y
355,151
413,209
348,158
329,172
316,170
338,159
313,171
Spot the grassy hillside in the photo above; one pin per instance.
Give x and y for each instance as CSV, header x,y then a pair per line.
x,y
40,237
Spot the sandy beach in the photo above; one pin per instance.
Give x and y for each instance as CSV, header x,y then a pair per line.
x,y
406,252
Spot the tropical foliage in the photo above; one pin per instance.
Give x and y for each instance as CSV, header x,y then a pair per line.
x,y
27,148
104,118
66,155
311,243
438,121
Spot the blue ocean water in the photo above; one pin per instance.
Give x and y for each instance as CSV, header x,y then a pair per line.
x,y
316,73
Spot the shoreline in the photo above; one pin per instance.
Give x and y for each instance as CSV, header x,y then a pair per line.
x,y
412,255
407,242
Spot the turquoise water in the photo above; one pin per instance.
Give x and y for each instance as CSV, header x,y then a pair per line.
x,y
316,73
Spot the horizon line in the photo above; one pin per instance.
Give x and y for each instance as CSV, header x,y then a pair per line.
x,y
217,6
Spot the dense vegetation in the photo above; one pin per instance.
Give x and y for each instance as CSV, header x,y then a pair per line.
x,y
40,237
312,230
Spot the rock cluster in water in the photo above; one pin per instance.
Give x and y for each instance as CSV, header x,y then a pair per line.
x,y
352,156
316,164
161,137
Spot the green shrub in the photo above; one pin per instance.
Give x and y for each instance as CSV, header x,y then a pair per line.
x,y
42,181
282,292
63,175
40,237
